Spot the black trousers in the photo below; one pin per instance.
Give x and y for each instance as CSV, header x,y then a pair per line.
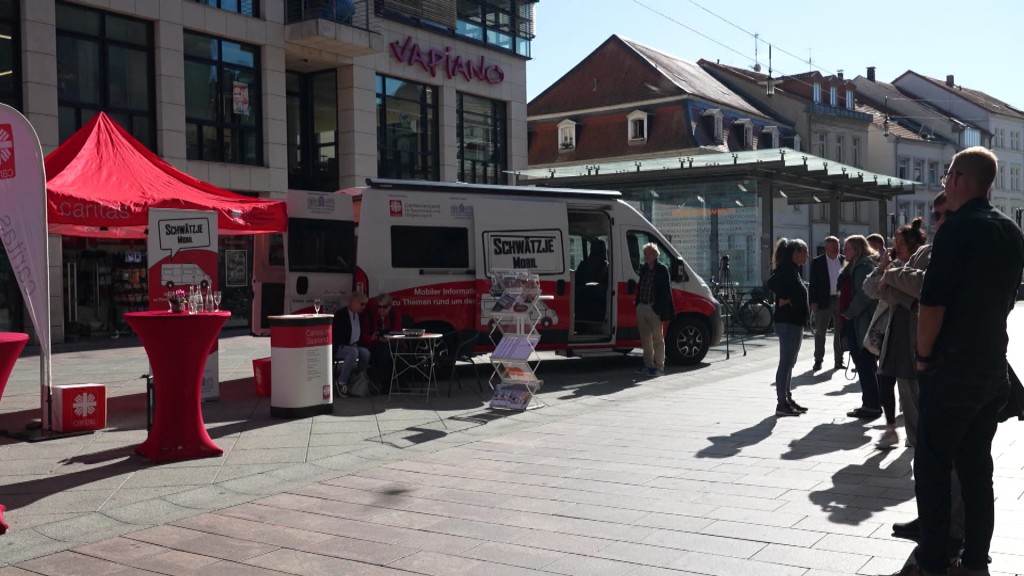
x,y
958,421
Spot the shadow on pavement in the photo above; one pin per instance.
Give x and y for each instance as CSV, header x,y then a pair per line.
x,y
731,445
829,437
853,499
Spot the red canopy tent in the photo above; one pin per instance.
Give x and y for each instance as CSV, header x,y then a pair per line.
x,y
101,183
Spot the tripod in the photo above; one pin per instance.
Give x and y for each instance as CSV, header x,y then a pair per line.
x,y
730,304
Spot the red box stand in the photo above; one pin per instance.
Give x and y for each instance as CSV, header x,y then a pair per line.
x,y
261,376
79,407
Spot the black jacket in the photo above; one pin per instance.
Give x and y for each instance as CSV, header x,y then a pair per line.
x,y
821,291
1015,404
787,284
662,290
341,328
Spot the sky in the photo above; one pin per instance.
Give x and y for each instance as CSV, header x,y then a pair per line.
x,y
975,41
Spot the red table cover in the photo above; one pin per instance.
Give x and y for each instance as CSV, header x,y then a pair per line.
x,y
177,346
11,345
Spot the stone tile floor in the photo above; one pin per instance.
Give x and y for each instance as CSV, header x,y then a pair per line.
x,y
685,474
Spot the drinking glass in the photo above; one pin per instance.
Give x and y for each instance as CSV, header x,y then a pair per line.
x,y
316,305
216,301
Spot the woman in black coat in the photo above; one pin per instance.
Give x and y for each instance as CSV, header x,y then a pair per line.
x,y
791,314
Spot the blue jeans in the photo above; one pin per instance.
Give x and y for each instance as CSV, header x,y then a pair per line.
x,y
958,421
791,336
867,368
351,354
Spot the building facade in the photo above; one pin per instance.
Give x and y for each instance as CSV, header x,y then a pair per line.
x,y
262,96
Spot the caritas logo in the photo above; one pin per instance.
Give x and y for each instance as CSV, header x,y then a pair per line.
x,y
395,207
84,405
6,151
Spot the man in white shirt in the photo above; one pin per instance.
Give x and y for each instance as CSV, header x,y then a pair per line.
x,y
824,299
347,328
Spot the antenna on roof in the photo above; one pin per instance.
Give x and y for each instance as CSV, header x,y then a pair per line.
x,y
757,65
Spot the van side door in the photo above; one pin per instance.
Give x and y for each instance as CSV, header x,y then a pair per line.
x,y
528,235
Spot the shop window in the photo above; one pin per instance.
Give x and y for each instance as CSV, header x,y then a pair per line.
x,y
407,130
105,62
222,100
481,129
244,7
416,247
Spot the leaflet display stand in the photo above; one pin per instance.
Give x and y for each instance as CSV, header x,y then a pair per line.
x,y
514,317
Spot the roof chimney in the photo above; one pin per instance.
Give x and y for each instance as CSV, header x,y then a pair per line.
x,y
871,73
949,80
839,73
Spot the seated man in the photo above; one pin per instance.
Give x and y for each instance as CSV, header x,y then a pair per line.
x,y
347,327
376,325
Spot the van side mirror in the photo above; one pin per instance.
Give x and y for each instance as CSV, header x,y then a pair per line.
x,y
679,272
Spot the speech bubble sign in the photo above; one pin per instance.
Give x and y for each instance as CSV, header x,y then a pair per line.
x,y
184,234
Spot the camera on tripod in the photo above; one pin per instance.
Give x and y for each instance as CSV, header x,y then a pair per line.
x,y
725,263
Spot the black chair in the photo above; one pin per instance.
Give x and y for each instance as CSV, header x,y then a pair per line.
x,y
465,341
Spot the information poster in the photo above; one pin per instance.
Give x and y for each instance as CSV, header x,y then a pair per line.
x,y
182,250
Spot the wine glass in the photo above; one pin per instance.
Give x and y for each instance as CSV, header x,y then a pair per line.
x,y
316,305
216,301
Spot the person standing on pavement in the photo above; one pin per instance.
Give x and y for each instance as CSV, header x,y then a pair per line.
x,y
969,289
791,315
824,298
896,356
653,307
856,310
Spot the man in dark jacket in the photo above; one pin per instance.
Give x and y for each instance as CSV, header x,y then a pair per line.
x,y
347,329
653,307
824,298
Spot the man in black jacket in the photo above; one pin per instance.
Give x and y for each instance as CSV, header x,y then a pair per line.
x,y
653,307
346,328
824,298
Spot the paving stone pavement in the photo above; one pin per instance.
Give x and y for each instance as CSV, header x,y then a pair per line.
x,y
690,473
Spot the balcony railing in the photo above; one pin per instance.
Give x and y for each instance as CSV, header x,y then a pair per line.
x,y
355,13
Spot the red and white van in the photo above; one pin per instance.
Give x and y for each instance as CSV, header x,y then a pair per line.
x,y
432,247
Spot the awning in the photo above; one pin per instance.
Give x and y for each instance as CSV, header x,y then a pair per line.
x,y
102,182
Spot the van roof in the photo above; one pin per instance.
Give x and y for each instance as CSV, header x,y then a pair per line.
x,y
462,188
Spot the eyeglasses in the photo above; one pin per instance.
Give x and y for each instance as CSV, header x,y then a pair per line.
x,y
945,177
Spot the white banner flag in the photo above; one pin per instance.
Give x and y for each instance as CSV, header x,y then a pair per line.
x,y
23,226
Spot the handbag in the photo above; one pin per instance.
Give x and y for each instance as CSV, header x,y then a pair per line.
x,y
359,387
875,337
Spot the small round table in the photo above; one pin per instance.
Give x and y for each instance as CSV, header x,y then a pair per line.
x,y
416,355
177,345
11,345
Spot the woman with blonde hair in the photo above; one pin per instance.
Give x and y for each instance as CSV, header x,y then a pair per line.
x,y
376,325
791,314
855,310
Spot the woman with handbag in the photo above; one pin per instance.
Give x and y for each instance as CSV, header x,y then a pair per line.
x,y
856,310
895,355
791,314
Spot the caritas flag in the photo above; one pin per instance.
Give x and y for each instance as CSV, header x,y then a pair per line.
x,y
23,225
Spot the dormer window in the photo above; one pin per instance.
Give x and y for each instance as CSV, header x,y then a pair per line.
x,y
566,135
816,93
849,99
637,126
833,97
796,143
715,118
769,137
745,130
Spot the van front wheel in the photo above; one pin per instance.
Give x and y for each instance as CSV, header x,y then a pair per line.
x,y
688,341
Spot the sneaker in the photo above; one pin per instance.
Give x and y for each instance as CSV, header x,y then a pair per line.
x,y
797,407
340,390
865,414
645,371
655,372
889,439
786,410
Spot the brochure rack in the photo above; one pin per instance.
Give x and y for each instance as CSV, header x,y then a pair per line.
x,y
514,316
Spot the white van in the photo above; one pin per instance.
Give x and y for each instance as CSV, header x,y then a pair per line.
x,y
432,247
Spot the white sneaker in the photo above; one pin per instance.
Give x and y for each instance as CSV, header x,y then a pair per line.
x,y
890,439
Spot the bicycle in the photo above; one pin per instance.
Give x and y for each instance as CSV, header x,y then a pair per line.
x,y
751,309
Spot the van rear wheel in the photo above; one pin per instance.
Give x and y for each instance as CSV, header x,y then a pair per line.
x,y
688,341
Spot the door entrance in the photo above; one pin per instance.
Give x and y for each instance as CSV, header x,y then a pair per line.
x,y
589,256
